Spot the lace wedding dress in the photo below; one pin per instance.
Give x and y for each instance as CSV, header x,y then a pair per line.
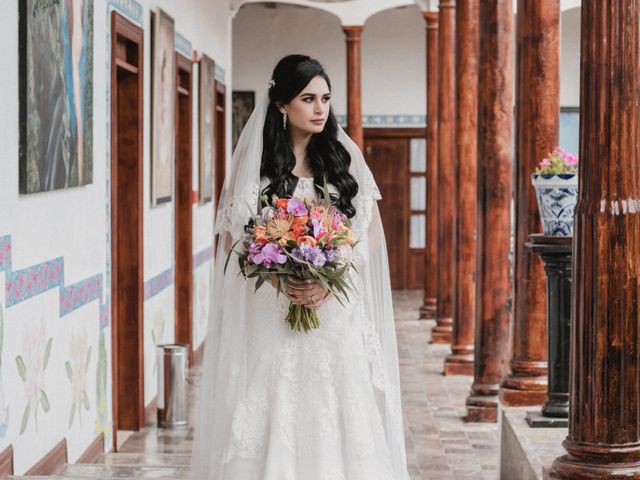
x,y
309,412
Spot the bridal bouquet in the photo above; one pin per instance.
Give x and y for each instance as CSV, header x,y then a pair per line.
x,y
307,240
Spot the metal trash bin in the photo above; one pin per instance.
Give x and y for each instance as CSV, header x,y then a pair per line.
x,y
173,405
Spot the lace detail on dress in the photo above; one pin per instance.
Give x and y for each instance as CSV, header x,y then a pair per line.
x,y
235,212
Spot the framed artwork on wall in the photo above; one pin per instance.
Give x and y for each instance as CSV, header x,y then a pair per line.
x,y
163,108
55,43
243,104
207,110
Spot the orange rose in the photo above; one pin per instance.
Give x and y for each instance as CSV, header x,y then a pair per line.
x,y
307,240
282,203
301,220
299,229
260,233
289,236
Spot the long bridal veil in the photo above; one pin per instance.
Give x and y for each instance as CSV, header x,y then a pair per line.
x,y
224,369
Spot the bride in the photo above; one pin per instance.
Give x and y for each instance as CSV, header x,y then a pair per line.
x,y
275,404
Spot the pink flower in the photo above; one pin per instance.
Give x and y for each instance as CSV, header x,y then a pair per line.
x,y
269,255
297,208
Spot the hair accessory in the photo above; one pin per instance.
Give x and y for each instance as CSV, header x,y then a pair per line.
x,y
272,83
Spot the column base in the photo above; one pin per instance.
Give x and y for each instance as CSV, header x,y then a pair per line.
x,y
441,335
521,391
568,467
443,331
428,311
482,409
458,364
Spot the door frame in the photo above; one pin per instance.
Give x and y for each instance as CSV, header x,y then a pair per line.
x,y
132,61
220,139
183,208
413,256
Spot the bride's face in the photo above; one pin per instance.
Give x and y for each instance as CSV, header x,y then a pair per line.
x,y
308,111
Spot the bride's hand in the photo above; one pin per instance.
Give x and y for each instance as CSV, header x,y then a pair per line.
x,y
309,293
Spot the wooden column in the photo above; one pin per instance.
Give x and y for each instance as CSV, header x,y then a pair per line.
x,y
441,333
460,361
604,402
354,84
430,284
537,122
492,336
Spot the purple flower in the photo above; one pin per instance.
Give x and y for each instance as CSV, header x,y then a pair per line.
x,y
312,255
269,255
332,254
297,208
254,249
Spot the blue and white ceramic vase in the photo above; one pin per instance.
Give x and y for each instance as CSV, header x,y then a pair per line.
x,y
557,197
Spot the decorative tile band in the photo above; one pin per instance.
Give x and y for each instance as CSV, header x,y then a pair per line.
x,y
388,120
220,73
202,257
32,281
158,283
5,253
183,46
24,284
131,8
75,296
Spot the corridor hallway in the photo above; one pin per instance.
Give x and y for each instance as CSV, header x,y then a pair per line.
x,y
440,446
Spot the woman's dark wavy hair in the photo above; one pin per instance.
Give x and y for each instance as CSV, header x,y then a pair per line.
x,y
326,155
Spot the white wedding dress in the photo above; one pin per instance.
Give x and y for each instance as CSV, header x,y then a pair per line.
x,y
310,411
274,404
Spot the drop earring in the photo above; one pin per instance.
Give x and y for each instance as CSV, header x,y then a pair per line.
x,y
284,120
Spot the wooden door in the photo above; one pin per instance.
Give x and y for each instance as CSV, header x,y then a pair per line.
x,y
183,210
393,159
126,224
220,139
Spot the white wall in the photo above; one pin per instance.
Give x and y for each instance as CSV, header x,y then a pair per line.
x,y
393,53
394,63
73,225
570,59
262,35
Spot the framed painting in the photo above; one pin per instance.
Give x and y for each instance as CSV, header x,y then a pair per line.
x,y
55,43
163,108
243,104
207,111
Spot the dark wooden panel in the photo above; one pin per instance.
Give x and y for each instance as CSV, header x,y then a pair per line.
x,y
389,163
126,224
220,138
52,462
184,205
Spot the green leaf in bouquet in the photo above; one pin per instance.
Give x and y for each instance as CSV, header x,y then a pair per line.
x,y
259,283
226,263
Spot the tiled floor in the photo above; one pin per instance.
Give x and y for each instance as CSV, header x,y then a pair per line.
x,y
440,446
